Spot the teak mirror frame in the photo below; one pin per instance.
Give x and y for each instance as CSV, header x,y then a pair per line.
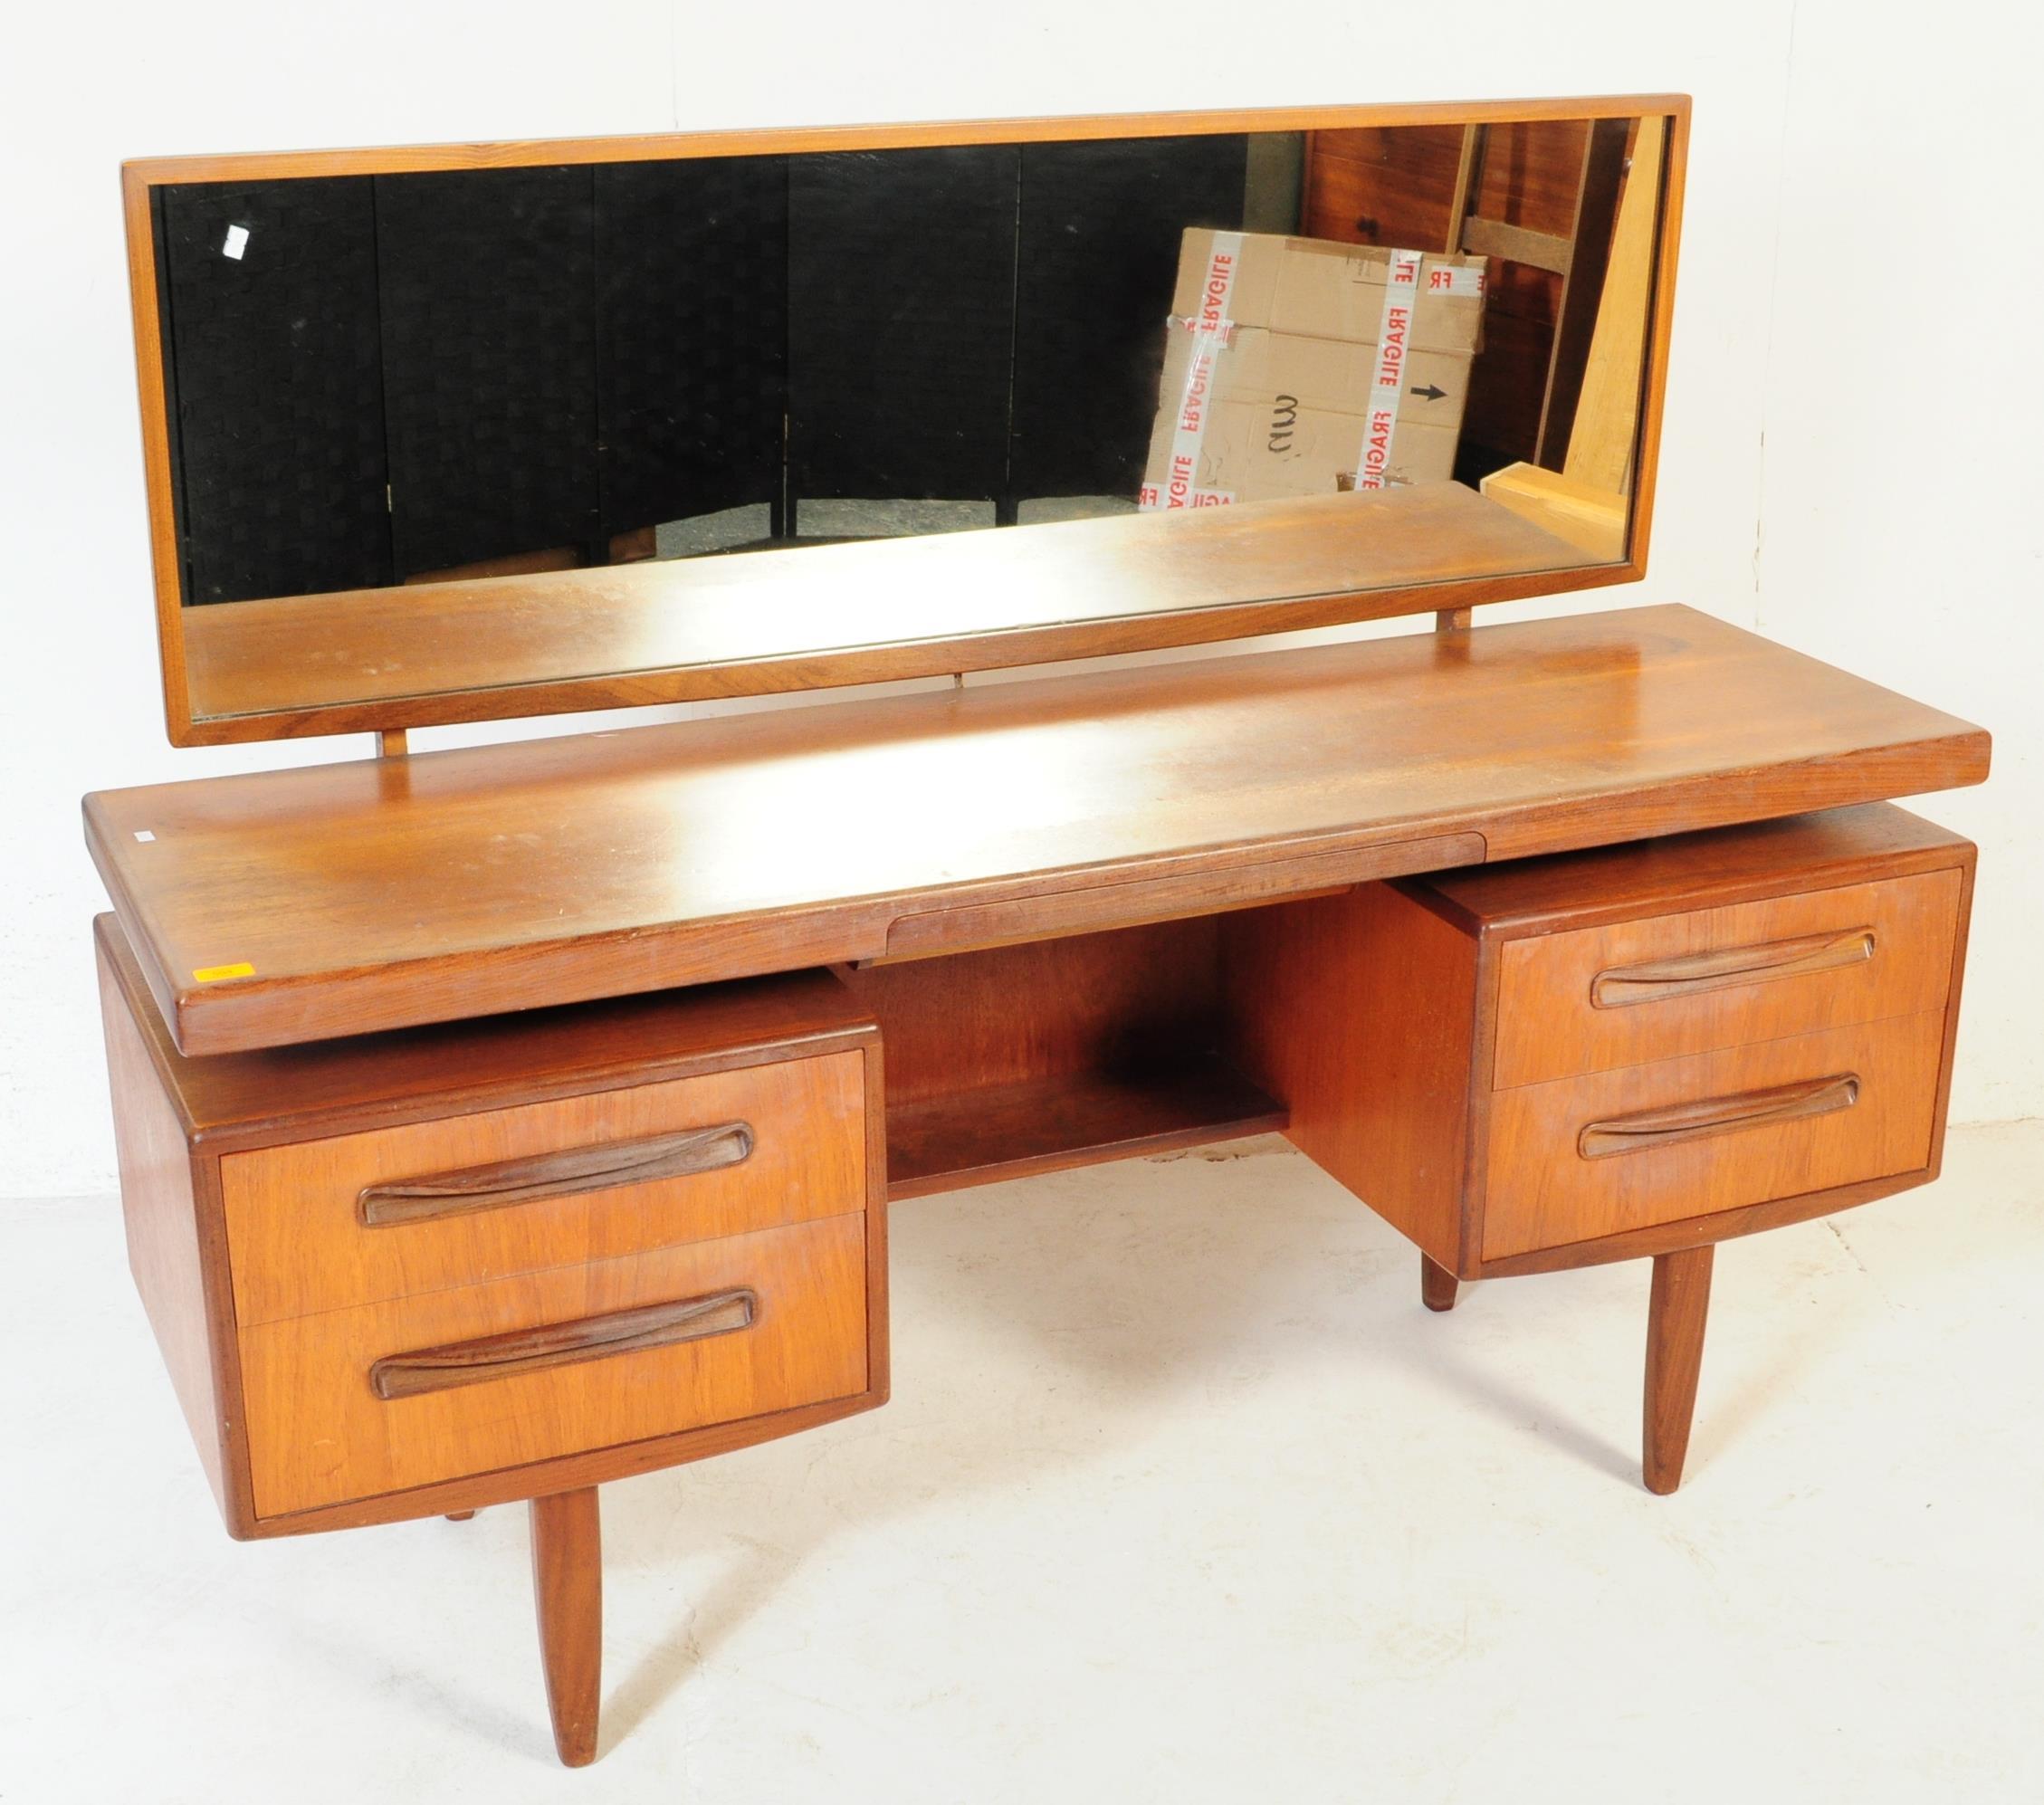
x,y
882,657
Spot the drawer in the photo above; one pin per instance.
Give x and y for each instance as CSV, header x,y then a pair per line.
x,y
1606,1152
348,1404
393,1212
1596,999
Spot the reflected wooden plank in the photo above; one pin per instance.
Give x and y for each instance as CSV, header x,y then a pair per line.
x,y
856,613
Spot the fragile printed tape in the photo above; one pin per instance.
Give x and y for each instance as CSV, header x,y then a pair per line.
x,y
1457,278
1179,491
1394,340
1210,328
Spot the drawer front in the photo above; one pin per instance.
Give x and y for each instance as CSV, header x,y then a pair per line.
x,y
392,1212
1580,1158
1597,998
352,1403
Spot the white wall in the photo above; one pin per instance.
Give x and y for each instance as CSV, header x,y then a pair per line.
x,y
1900,530
1838,467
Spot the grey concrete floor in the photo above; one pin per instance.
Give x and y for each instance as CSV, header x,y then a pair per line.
x,y
1182,1496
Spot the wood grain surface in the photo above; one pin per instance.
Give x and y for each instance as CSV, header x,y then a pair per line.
x,y
319,1433
1544,1192
1042,1010
1358,1012
379,894
1550,1027
1053,1053
1075,1118
257,1099
1711,869
297,1245
160,1213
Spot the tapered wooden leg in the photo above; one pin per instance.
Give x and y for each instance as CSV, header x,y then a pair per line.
x,y
568,1585
1674,1354
1438,1286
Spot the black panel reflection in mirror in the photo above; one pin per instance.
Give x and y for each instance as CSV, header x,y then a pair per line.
x,y
383,380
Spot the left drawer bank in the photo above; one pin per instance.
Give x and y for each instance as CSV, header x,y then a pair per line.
x,y
407,1273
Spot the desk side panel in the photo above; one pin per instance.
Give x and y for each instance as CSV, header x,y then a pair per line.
x,y
1358,1013
161,1201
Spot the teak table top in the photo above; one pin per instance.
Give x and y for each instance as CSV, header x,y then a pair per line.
x,y
346,897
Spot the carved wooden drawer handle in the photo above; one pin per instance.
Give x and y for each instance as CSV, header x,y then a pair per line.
x,y
654,1326
1682,977
1717,1115
567,1173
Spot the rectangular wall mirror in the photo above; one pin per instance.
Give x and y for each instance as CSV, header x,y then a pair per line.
x,y
461,432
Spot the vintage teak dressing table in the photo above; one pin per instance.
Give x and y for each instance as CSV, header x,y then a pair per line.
x,y
494,1122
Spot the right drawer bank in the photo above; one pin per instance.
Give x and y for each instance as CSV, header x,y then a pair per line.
x,y
1607,1054
1751,1020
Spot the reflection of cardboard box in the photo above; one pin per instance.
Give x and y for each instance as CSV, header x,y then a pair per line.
x,y
1293,366
1322,290
1243,458
1330,374
1269,414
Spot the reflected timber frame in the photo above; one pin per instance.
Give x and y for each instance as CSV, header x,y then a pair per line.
x,y
883,656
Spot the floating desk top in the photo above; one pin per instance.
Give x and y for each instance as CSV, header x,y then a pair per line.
x,y
390,893
811,616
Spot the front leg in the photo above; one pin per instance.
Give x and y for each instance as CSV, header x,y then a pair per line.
x,y
567,1587
1675,1355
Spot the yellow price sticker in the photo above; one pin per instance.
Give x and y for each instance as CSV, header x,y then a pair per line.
x,y
212,974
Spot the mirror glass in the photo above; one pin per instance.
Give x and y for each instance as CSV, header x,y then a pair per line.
x,y
444,430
